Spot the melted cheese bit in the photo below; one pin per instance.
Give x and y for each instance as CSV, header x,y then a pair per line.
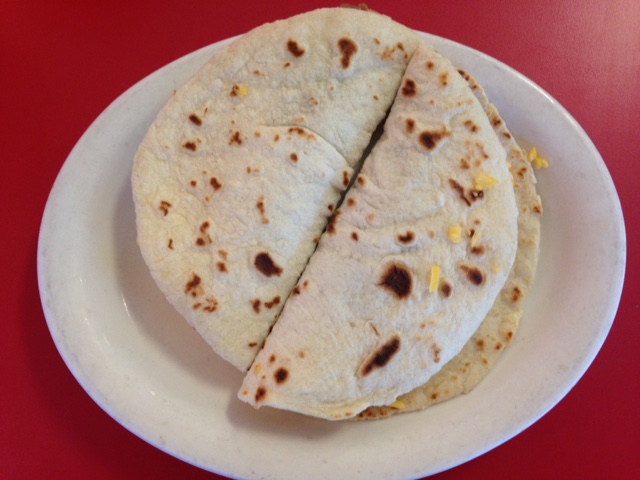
x,y
485,182
455,234
399,404
537,160
239,90
435,279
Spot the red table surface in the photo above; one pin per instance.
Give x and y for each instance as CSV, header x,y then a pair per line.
x,y
62,63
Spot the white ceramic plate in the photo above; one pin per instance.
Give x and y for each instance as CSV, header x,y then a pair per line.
x,y
142,364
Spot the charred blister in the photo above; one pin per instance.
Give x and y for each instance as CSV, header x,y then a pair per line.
x,y
295,49
266,266
348,48
397,279
382,356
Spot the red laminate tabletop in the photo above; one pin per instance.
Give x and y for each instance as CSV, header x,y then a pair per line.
x,y
63,63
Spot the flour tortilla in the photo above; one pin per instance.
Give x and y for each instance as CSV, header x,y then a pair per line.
x,y
467,369
237,176
362,326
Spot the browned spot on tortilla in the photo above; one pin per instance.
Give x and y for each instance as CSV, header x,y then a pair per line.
x,y
499,346
293,157
522,173
345,178
506,135
497,122
164,207
281,375
193,287
397,280
509,335
436,351
444,79
460,189
516,294
258,73
301,354
296,290
348,49
410,125
330,207
434,396
464,74
351,202
190,146
286,65
382,356
201,242
473,274
223,254
196,305
222,267
430,65
261,394
261,208
407,238
464,164
537,209
376,98
256,304
170,244
295,49
362,181
272,358
445,289
354,236
204,227
265,265
195,119
430,140
275,301
252,344
193,183
473,128
331,226
478,250
215,183
235,138
211,306
409,89
480,344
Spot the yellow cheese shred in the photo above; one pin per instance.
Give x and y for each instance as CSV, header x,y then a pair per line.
x,y
435,279
475,238
536,159
455,234
485,182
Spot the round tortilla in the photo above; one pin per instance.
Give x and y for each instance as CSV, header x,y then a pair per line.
x,y
467,369
238,175
389,297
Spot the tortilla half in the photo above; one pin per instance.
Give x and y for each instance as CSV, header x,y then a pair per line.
x,y
389,297
467,369
238,175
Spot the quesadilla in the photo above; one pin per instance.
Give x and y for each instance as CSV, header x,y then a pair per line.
x,y
238,175
497,330
408,267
